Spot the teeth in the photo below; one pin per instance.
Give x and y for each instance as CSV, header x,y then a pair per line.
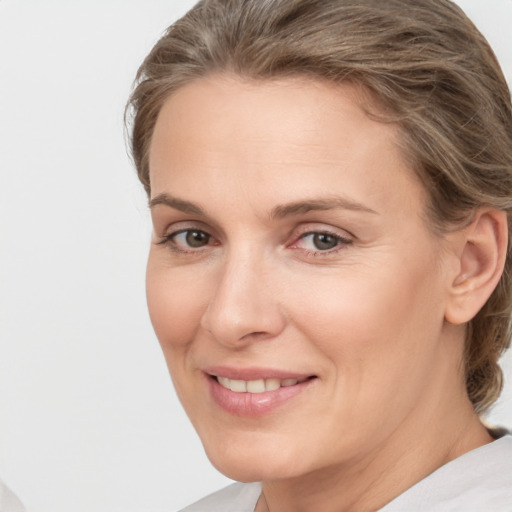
x,y
223,381
256,386
272,384
239,386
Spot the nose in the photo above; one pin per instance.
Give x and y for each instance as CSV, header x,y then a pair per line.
x,y
244,307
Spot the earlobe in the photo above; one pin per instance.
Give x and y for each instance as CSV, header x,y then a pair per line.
x,y
482,253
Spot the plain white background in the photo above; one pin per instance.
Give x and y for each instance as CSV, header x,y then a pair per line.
x,y
89,420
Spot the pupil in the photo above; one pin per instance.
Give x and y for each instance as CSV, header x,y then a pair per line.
x,y
324,241
197,238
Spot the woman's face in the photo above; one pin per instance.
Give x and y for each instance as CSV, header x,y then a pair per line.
x,y
293,283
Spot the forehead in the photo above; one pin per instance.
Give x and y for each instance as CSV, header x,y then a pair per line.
x,y
280,138
290,110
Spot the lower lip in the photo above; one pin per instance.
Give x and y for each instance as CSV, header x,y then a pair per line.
x,y
253,404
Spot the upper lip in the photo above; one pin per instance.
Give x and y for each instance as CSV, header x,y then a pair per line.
x,y
254,373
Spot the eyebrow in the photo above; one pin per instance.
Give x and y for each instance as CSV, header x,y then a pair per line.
x,y
278,212
177,204
305,206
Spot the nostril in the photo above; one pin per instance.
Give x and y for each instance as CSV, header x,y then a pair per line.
x,y
256,335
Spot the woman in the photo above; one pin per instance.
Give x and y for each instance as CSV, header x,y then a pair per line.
x,y
330,185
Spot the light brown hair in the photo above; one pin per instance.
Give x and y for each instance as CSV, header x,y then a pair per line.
x,y
423,60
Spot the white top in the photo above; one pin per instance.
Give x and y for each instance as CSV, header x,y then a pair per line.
x,y
480,480
8,501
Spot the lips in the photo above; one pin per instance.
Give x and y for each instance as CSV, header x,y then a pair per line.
x,y
254,392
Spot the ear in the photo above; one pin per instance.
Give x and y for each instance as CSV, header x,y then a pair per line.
x,y
481,252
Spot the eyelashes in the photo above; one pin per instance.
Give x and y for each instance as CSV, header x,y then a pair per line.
x,y
187,240
321,242
311,242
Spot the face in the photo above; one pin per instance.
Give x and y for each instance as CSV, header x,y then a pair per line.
x,y
293,283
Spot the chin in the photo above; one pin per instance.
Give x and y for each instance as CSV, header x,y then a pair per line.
x,y
255,463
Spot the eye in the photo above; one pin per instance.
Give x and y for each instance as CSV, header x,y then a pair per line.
x,y
321,241
186,240
192,238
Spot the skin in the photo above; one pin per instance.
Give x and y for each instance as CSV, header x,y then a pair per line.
x,y
378,318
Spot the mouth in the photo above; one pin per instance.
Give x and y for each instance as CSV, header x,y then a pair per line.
x,y
255,392
258,385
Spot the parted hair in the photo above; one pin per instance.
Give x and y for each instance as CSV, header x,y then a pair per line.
x,y
426,65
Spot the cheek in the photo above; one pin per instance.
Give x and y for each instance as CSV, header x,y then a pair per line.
x,y
379,329
175,298
374,320
176,303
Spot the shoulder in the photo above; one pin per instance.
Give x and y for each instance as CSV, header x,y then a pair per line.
x,y
237,497
8,501
478,480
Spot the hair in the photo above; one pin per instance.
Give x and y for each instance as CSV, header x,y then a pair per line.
x,y
423,61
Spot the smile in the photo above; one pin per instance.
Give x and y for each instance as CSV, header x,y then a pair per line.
x,y
256,386
255,392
